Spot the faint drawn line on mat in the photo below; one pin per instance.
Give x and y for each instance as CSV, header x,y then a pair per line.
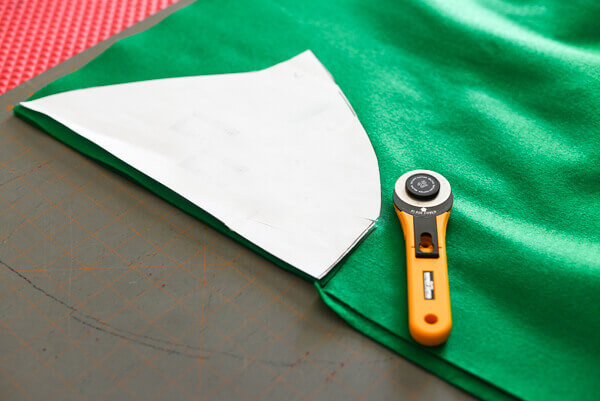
x,y
129,336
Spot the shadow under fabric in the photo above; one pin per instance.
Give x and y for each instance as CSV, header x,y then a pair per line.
x,y
500,98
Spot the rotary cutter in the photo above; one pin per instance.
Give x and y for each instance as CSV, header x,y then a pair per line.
x,y
423,200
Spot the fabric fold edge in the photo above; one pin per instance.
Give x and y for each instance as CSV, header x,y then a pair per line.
x,y
413,352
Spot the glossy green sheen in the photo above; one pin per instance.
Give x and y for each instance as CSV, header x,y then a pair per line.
x,y
502,98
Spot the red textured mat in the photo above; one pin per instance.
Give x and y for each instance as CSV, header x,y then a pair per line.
x,y
38,34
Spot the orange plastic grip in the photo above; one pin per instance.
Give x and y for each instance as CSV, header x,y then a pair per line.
x,y
429,320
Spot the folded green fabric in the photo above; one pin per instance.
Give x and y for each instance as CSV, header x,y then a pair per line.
x,y
500,98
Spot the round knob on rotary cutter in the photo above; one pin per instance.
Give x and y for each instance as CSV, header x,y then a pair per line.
x,y
422,186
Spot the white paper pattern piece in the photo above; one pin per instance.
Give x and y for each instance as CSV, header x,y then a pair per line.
x,y
277,155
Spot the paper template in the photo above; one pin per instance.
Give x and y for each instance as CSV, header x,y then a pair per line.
x,y
277,155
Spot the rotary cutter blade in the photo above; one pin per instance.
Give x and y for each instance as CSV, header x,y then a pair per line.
x,y
423,200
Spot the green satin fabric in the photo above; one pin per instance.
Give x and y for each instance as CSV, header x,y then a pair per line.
x,y
499,97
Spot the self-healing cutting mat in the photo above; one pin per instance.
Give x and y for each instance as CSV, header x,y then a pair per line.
x,y
501,99
109,293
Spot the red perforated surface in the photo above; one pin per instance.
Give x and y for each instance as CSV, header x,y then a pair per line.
x,y
38,34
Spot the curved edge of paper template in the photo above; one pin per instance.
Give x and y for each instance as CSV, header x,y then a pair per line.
x,y
414,352
363,217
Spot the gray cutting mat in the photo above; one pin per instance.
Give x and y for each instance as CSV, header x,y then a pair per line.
x,y
109,293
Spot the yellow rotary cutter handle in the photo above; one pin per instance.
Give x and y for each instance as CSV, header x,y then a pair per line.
x,y
423,200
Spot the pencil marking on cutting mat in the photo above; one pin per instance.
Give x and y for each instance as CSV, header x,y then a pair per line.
x,y
128,336
133,337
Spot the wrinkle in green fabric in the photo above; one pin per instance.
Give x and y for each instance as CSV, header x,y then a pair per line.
x,y
501,98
